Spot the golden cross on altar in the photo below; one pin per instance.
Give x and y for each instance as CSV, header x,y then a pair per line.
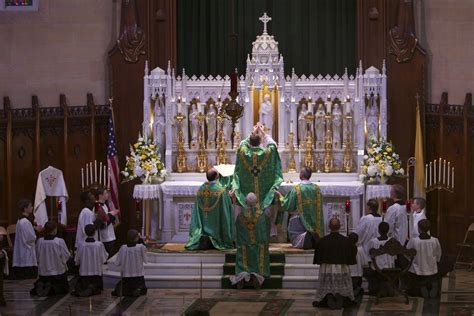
x,y
265,19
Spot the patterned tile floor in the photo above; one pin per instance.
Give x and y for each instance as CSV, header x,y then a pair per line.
x,y
457,299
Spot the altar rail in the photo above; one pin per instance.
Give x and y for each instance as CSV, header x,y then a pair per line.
x,y
33,138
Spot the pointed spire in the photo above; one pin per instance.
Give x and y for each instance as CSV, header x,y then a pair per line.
x,y
360,67
146,68
248,58
169,66
384,69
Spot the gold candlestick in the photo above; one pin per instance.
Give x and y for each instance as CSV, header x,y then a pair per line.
x,y
291,147
181,160
201,157
328,155
221,157
309,153
348,161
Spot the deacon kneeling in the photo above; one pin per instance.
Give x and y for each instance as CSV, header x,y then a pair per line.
x,y
211,224
424,270
335,254
252,261
52,256
90,256
307,223
130,259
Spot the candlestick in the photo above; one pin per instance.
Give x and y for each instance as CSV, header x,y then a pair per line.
x,y
439,171
100,173
82,178
92,174
434,172
348,206
449,171
444,171
426,175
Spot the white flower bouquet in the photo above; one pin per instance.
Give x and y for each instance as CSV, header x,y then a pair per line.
x,y
380,163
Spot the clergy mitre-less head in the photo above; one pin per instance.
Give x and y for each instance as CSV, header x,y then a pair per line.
x,y
251,199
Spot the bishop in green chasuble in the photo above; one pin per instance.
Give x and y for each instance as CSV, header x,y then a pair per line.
x,y
252,262
257,169
211,219
306,225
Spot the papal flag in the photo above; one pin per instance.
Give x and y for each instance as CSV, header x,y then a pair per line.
x,y
419,181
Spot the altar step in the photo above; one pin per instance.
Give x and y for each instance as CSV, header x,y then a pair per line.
x,y
183,270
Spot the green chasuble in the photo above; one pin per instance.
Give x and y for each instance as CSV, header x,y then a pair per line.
x,y
307,199
257,170
252,232
211,216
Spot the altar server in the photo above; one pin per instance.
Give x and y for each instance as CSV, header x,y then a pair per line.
x,y
211,220
305,202
419,213
368,226
90,256
357,270
258,170
335,254
104,219
252,261
131,258
52,256
424,270
86,217
396,215
25,265
383,261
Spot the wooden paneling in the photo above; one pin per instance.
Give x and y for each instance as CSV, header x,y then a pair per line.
x,y
372,28
46,136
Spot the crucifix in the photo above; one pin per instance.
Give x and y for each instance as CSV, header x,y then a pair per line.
x,y
265,19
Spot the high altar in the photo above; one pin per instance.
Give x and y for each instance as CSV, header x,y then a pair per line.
x,y
319,121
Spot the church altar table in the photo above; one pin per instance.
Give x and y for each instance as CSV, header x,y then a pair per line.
x,y
151,214
178,199
378,191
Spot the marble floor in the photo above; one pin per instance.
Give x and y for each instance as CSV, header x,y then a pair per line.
x,y
457,299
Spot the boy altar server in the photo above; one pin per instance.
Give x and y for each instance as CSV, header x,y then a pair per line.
x,y
130,259
86,217
90,256
52,256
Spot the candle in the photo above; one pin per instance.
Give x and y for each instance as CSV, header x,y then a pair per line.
x,y
434,172
105,174
100,173
439,171
87,174
431,175
95,168
452,178
444,171
348,107
348,206
449,171
90,169
299,154
291,126
426,175
328,107
179,106
199,107
82,178
108,180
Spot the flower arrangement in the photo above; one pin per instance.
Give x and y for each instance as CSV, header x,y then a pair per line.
x,y
144,162
380,163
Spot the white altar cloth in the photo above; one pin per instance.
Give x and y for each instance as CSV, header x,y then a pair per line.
x,y
378,191
147,192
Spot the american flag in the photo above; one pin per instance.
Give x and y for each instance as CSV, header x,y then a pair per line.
x,y
112,164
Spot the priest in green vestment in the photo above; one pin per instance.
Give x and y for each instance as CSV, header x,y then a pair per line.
x,y
211,220
257,170
252,262
305,203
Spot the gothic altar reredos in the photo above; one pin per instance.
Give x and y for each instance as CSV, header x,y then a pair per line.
x,y
320,121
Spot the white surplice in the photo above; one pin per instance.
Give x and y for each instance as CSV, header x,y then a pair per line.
x,y
86,217
50,183
90,257
24,252
131,260
52,256
383,261
367,229
428,254
358,269
416,218
396,217
108,233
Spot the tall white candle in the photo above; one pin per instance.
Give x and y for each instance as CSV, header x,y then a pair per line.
x,y
105,174
100,173
328,107
431,175
82,178
426,175
291,126
200,107
95,170
434,172
92,174
439,172
299,155
179,106
87,174
452,178
449,171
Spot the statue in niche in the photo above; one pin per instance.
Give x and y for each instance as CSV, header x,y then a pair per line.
x,y
266,114
302,126
336,126
160,126
211,126
194,125
372,117
320,119
228,132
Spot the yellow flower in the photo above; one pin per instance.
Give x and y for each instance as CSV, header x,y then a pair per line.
x,y
370,151
389,149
